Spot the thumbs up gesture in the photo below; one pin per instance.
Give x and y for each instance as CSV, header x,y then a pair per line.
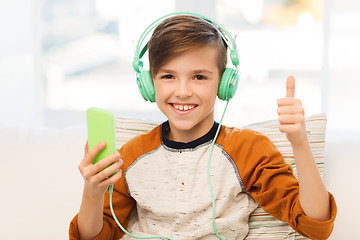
x,y
291,114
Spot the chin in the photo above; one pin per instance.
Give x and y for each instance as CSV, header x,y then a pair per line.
x,y
182,125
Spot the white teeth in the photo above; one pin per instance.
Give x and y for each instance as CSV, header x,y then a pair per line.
x,y
183,107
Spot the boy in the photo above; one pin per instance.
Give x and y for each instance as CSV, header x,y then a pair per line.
x,y
165,190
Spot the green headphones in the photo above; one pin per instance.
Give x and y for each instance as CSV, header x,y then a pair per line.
x,y
229,79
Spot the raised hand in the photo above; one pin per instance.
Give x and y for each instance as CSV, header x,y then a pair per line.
x,y
291,114
96,182
96,179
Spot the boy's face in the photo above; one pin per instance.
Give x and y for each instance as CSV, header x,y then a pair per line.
x,y
186,89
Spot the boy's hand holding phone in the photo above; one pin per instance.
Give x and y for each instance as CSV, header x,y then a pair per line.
x,y
101,163
100,168
96,178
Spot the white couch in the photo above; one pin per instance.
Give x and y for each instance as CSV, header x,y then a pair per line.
x,y
41,186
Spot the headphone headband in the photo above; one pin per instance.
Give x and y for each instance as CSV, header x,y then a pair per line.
x,y
137,64
230,76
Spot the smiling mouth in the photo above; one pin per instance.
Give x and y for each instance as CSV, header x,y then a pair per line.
x,y
183,107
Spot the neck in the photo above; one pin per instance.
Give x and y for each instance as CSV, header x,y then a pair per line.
x,y
189,135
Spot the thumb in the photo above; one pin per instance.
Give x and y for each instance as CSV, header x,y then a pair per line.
x,y
86,147
290,86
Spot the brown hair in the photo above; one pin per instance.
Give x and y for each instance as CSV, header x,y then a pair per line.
x,y
180,33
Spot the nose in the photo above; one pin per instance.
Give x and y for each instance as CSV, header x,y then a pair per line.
x,y
183,89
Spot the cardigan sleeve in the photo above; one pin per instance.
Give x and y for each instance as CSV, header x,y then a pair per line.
x,y
271,183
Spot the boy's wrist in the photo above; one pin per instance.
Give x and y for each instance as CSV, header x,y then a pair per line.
x,y
300,143
299,139
89,193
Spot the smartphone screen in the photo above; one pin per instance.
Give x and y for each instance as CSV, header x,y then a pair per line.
x,y
100,127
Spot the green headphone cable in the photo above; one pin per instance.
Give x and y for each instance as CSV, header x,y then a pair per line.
x,y
121,227
208,172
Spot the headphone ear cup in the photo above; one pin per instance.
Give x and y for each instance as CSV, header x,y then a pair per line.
x,y
228,84
146,86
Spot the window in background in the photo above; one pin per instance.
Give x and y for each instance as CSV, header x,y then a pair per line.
x,y
275,38
343,98
88,47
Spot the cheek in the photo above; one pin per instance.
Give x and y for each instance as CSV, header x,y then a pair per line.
x,y
215,89
209,94
161,91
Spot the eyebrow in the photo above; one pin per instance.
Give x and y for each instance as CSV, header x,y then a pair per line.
x,y
197,71
203,71
165,70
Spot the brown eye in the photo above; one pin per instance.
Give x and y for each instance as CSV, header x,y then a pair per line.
x,y
168,76
200,77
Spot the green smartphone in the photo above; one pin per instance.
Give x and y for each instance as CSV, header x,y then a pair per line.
x,y
101,127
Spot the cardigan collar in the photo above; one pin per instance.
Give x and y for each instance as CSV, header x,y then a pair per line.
x,y
193,144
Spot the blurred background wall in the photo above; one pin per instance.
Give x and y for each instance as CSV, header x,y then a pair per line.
x,y
59,57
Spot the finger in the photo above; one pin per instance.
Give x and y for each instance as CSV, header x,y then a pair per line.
x,y
91,154
289,101
106,172
290,109
86,147
109,171
111,180
107,161
290,86
291,119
